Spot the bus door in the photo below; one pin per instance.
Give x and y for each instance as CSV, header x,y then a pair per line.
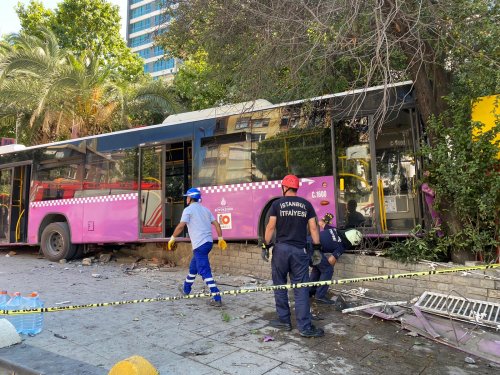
x,y
151,192
14,202
355,194
178,159
396,172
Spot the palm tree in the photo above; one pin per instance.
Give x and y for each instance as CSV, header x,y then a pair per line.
x,y
150,102
56,95
29,89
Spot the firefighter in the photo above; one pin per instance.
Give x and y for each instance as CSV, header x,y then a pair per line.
x,y
291,216
333,244
199,220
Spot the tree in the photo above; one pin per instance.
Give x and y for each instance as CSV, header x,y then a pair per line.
x,y
34,17
194,85
85,25
149,102
288,49
54,95
29,92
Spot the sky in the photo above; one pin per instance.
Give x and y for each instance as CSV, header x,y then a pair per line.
x,y
9,23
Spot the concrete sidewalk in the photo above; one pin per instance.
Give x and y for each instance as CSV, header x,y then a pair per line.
x,y
189,337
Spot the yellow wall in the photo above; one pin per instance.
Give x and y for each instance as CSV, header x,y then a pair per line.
x,y
487,111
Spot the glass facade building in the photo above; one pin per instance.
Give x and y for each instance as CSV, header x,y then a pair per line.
x,y
144,21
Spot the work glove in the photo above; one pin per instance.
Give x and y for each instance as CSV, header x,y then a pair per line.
x,y
222,244
172,245
265,252
316,255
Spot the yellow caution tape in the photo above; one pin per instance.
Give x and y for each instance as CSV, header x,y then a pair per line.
x,y
253,290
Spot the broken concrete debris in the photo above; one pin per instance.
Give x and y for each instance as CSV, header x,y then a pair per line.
x,y
446,319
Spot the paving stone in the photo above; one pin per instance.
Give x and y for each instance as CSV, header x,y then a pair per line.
x,y
187,337
185,366
243,362
204,350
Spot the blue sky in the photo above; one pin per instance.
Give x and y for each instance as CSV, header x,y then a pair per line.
x,y
9,23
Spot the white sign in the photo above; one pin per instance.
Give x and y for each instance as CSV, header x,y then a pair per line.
x,y
225,221
390,204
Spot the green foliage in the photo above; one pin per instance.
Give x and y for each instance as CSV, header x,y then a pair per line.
x,y
149,102
195,86
464,172
34,17
85,25
420,245
465,175
225,317
247,60
53,94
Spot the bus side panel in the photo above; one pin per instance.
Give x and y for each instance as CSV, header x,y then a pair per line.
x,y
72,210
233,207
238,207
320,191
111,218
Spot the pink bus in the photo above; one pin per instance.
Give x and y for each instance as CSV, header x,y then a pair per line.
x,y
127,186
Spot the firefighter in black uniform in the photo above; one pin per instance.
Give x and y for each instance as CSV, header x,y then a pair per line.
x,y
291,216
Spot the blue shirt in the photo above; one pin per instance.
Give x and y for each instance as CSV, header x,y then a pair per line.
x,y
199,222
292,215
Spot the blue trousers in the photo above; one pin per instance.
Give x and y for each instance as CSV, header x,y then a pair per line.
x,y
321,272
294,262
201,265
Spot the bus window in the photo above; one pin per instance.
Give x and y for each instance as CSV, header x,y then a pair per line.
x,y
226,158
59,173
301,146
355,203
5,189
110,172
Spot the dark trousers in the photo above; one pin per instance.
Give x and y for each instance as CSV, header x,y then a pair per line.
x,y
290,260
321,272
201,265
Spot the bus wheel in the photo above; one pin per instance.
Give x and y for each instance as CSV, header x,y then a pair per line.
x,y
56,242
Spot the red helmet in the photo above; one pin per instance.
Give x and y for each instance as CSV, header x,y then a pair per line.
x,y
290,181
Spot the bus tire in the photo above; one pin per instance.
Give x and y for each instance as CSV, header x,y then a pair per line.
x,y
79,251
56,242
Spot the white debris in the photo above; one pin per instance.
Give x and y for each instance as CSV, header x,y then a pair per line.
x,y
8,334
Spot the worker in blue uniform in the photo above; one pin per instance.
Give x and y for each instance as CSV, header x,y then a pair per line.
x,y
291,216
333,244
199,220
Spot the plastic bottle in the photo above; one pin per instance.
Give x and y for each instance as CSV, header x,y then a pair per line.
x,y
32,323
4,298
15,303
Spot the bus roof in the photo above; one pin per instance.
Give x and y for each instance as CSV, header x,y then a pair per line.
x,y
11,148
224,110
221,111
262,104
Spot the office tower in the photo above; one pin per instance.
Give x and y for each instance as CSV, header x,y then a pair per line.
x,y
145,20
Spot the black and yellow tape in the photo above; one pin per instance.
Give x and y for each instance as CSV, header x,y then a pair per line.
x,y
253,290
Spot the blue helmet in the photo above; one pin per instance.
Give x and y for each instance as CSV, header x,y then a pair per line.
x,y
193,193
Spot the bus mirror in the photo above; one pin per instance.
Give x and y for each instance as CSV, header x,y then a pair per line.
x,y
341,184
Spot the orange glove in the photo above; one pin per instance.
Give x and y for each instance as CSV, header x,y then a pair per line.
x,y
171,244
222,244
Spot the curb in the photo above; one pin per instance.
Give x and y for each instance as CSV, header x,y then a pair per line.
x,y
17,369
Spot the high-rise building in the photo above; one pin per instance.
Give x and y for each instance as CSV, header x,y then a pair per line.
x,y
145,20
